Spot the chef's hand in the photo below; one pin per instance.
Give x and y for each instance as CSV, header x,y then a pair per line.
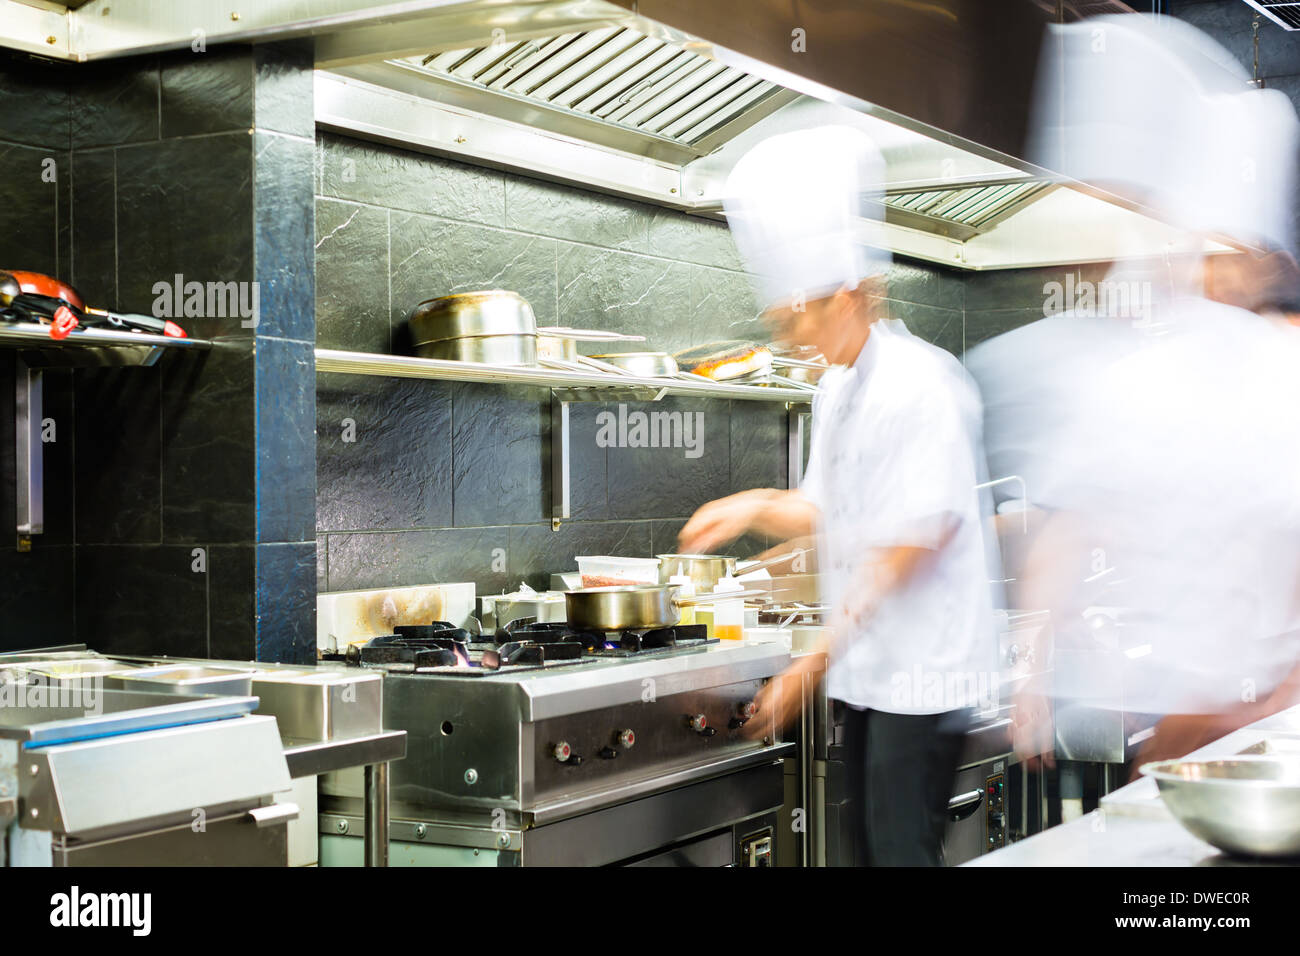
x,y
720,522
779,700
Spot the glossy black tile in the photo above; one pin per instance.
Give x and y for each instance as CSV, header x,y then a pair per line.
x,y
286,440
624,292
285,94
575,214
941,327
667,458
29,194
169,196
118,486
231,582
37,603
402,558
759,453
209,456
286,602
537,551
94,234
284,235
35,101
115,102
141,599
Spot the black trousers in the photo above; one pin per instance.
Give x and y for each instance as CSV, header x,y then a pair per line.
x,y
901,769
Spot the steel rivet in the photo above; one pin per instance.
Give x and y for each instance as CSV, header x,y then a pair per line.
x,y
420,831
234,16
503,840
342,826
35,813
51,40
471,776
35,769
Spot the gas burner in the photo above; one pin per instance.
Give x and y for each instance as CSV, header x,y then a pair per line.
x,y
523,644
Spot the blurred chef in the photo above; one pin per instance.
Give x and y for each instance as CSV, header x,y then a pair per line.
x,y
890,490
1160,440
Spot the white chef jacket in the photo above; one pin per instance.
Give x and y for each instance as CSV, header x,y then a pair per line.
x,y
895,460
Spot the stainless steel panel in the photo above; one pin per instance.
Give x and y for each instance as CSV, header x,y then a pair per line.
x,y
30,452
74,716
324,705
95,785
186,680
233,840
714,850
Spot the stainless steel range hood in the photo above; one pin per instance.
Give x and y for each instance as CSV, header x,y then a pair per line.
x,y
657,99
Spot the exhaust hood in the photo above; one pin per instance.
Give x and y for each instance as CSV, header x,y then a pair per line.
x,y
657,99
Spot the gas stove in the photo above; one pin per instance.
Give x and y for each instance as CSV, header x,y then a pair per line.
x,y
441,649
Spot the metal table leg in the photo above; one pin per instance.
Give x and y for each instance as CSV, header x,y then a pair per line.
x,y
376,814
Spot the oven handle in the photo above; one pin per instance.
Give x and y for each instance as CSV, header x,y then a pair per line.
x,y
964,804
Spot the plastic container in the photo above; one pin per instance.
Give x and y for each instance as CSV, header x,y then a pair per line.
x,y
603,570
685,589
728,616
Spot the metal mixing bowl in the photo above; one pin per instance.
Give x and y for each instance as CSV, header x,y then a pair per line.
x,y
1247,804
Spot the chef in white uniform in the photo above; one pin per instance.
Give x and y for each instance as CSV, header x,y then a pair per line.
x,y
890,490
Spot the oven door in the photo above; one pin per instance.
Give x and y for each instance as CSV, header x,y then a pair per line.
x,y
729,820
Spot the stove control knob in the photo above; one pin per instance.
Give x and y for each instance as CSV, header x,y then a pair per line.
x,y
626,739
562,752
699,723
746,709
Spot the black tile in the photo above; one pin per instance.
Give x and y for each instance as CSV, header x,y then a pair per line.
x,y
1022,288
941,327
352,277
322,562
913,281
36,604
207,92
32,208
35,103
537,551
588,497
231,601
759,452
383,453
115,102
118,496
286,440
286,602
400,179
285,234
402,558
723,308
690,466
433,257
677,235
186,207
285,89
141,599
664,535
94,235
576,214
498,455
208,453
625,292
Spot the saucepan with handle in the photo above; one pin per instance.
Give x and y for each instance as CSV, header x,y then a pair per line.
x,y
633,606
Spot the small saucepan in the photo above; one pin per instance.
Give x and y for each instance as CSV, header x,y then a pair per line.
x,y
706,570
631,606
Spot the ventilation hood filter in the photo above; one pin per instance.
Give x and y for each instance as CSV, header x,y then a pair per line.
x,y
616,75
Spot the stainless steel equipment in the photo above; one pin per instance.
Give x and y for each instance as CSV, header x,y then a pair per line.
x,y
494,326
706,570
650,364
628,752
1248,804
624,606
153,761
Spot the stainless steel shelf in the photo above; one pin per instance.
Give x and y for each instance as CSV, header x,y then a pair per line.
x,y
652,388
89,346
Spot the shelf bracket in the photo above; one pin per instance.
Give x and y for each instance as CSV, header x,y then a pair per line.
x,y
29,461
798,415
560,445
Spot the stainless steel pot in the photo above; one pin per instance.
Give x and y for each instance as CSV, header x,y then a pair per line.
x,y
621,607
706,570
494,326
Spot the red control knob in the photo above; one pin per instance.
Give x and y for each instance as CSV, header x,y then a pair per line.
x,y
698,723
562,752
626,739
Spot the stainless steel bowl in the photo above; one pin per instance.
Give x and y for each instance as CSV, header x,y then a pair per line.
x,y
494,326
1248,805
488,349
646,364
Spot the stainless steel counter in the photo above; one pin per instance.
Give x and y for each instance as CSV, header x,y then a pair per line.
x,y
1133,828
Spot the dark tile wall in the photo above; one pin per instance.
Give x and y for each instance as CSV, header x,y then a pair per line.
x,y
182,506
422,481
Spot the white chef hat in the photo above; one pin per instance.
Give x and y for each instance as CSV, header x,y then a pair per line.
x,y
800,205
1159,112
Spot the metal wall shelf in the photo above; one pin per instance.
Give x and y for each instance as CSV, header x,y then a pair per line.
x,y
577,385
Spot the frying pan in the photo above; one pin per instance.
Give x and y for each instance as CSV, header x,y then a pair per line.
x,y
632,606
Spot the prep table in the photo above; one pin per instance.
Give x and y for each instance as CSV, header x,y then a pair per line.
x,y
1133,828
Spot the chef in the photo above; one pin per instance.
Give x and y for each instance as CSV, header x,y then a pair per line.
x,y
890,490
